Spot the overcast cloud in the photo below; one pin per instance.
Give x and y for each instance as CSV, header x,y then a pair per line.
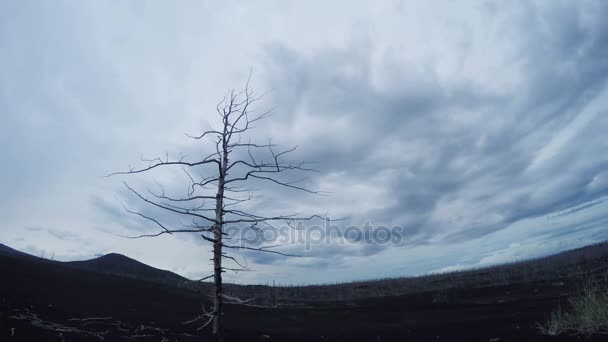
x,y
479,127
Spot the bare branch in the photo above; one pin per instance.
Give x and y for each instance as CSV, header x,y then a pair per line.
x,y
235,261
165,229
204,278
259,249
276,218
184,212
159,164
198,137
170,232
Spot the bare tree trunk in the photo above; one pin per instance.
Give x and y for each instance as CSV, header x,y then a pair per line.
x,y
218,301
218,298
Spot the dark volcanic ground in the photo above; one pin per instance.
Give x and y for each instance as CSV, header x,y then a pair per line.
x,y
49,301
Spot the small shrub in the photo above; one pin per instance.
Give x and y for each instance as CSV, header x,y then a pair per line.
x,y
588,314
590,311
556,324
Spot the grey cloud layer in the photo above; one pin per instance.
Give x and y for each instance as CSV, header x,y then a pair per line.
x,y
462,155
456,122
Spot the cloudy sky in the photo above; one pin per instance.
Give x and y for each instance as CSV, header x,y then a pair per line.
x,y
479,127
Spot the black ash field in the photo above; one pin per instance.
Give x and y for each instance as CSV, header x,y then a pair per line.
x,y
114,298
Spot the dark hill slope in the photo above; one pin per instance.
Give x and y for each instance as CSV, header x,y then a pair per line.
x,y
115,264
123,266
6,250
59,293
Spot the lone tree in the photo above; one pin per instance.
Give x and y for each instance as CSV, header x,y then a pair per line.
x,y
217,191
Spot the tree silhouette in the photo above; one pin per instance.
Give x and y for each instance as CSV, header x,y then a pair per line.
x,y
216,199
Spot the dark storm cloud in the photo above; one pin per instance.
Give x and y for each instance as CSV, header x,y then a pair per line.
x,y
562,51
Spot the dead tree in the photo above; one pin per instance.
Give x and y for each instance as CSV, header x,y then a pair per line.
x,y
212,201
